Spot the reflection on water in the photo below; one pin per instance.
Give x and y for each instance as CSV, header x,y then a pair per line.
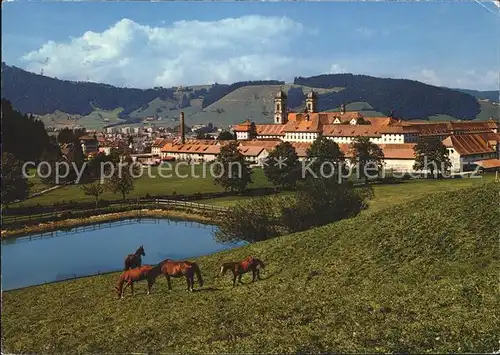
x,y
101,248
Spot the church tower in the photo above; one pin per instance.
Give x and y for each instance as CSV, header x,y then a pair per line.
x,y
311,102
280,108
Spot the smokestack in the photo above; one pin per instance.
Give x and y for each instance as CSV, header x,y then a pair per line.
x,y
182,128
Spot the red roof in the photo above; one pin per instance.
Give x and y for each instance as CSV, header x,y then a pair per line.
x,y
468,144
489,163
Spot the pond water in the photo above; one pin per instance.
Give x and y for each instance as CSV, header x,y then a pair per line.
x,y
89,250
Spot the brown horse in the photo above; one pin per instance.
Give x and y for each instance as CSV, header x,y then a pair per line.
x,y
242,267
134,260
171,268
146,272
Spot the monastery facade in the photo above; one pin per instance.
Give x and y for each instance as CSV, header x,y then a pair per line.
x,y
468,143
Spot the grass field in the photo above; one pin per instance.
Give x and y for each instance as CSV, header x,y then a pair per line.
x,y
421,277
199,180
384,194
391,194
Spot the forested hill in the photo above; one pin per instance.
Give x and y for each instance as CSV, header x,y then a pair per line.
x,y
483,95
38,94
229,104
410,99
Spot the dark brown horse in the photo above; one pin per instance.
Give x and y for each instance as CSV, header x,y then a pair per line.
x,y
134,260
146,272
242,267
171,268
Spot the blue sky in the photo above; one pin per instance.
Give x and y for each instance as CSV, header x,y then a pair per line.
x,y
145,44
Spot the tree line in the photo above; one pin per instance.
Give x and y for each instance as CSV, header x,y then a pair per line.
x,y
325,195
409,98
320,197
39,94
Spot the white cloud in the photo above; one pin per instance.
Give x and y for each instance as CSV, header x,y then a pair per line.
x,y
472,79
185,52
365,32
337,69
225,51
467,79
429,76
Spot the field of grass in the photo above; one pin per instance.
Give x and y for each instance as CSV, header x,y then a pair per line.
x,y
391,194
421,277
37,183
198,181
488,110
97,119
249,102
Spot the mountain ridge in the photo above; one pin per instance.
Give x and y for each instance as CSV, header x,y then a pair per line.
x,y
92,105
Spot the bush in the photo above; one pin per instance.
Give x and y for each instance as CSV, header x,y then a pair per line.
x,y
66,215
249,221
316,203
103,203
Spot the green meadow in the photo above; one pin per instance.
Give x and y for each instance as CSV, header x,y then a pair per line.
x,y
417,277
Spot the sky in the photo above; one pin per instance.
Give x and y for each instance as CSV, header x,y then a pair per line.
x,y
146,44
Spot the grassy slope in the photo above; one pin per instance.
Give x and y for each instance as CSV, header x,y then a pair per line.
x,y
246,102
393,193
94,120
421,277
488,110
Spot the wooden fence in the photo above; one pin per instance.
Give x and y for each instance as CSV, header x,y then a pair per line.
x,y
187,205
140,204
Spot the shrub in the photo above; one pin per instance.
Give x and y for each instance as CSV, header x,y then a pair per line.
x,y
66,215
103,203
249,221
316,203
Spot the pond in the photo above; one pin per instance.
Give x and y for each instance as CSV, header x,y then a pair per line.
x,y
89,250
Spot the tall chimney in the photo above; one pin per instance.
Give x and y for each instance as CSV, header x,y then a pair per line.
x,y
181,127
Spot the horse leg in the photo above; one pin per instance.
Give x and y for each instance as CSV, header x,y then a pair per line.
x,y
188,280
132,287
234,279
254,274
150,284
258,274
123,289
239,278
168,282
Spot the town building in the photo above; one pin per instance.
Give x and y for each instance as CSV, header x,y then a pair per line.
x,y
467,142
89,144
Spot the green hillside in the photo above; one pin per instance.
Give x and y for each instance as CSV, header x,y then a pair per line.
x,y
414,278
95,105
252,102
488,109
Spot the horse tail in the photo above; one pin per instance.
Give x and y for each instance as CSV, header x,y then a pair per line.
x,y
197,271
119,285
261,263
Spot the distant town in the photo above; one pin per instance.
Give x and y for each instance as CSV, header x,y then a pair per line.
x,y
469,144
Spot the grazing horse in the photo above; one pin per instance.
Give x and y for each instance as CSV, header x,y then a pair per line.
x,y
134,260
242,267
171,268
146,272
